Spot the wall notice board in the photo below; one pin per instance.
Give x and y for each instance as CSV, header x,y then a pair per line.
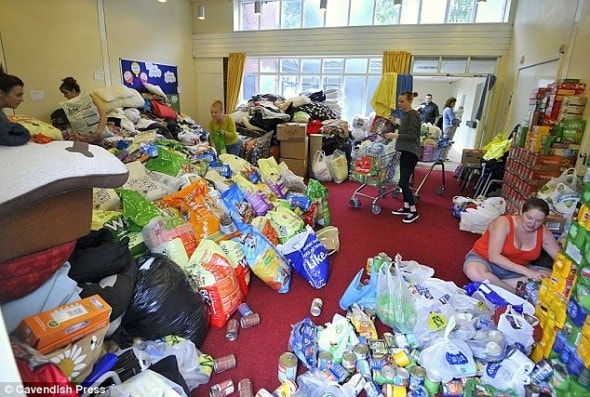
x,y
137,73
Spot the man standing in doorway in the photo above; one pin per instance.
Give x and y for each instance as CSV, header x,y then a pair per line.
x,y
428,110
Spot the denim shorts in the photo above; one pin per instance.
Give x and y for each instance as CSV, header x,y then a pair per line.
x,y
500,272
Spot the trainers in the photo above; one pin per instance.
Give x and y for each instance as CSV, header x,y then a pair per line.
x,y
401,211
411,217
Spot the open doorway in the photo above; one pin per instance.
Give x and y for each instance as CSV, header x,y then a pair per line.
x,y
468,91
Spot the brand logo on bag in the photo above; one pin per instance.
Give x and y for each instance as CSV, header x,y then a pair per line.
x,y
458,358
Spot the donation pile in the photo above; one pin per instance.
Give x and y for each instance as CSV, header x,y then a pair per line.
x,y
171,252
441,340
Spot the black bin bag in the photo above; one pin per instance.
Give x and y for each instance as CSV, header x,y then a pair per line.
x,y
165,303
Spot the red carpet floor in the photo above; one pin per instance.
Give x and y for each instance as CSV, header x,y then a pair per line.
x,y
433,240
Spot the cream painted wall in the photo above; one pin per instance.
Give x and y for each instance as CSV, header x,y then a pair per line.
x,y
161,32
45,41
42,56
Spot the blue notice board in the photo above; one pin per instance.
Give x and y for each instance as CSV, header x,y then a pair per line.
x,y
137,73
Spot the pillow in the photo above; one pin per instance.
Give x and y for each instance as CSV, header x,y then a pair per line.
x,y
117,97
106,94
37,126
133,101
155,89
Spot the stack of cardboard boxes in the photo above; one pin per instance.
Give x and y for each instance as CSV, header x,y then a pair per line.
x,y
294,146
548,144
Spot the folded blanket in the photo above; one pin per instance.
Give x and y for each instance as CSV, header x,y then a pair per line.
x,y
12,134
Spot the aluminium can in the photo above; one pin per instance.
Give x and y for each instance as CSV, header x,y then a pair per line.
x,y
363,368
245,388
385,375
372,389
542,371
339,372
224,363
390,390
349,361
324,359
250,320
417,375
244,309
287,367
361,352
231,333
402,377
316,307
224,388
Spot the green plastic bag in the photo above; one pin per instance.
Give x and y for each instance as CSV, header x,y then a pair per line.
x,y
219,140
168,162
137,208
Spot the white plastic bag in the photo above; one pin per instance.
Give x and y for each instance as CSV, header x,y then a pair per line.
x,y
516,329
448,358
319,166
562,193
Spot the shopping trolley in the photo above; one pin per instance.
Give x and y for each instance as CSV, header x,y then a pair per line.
x,y
440,154
374,165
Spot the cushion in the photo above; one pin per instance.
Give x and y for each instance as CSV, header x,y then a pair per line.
x,y
21,276
33,172
46,197
37,126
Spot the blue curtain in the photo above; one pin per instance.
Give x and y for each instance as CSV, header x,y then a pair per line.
x,y
405,82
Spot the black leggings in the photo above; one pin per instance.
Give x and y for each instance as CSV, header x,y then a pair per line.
x,y
407,163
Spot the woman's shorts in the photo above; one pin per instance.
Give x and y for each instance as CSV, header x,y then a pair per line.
x,y
500,272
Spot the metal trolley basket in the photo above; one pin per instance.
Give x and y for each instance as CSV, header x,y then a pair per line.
x,y
374,165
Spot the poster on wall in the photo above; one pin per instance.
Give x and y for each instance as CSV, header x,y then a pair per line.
x,y
137,73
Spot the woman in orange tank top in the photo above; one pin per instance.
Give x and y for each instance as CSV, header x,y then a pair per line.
x,y
502,255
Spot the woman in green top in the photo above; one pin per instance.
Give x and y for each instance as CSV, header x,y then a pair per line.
x,y
222,131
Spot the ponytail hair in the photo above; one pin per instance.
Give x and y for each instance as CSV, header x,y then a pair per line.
x,y
409,95
69,84
8,81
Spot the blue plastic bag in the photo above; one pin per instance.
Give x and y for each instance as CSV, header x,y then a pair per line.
x,y
364,295
304,342
308,256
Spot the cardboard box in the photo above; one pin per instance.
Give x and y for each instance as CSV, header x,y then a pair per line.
x,y
291,131
299,167
65,324
315,143
295,149
471,157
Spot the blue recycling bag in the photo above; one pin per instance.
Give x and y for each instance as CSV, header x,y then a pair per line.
x,y
308,257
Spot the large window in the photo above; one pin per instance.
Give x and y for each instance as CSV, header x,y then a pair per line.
x,y
355,78
301,14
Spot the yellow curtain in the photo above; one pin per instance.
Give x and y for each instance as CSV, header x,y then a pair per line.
x,y
396,62
235,72
383,100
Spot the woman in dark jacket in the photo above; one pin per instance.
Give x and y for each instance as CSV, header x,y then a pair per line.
x,y
408,144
